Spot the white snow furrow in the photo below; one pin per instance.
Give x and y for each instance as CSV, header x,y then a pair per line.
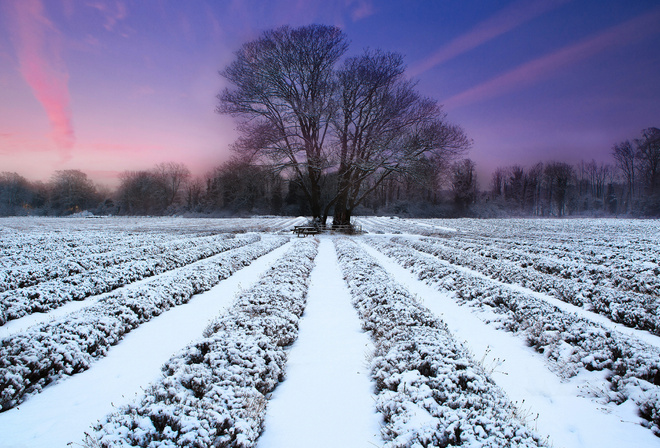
x,y
326,399
569,420
64,411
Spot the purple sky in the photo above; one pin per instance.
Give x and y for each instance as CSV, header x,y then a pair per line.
x,y
110,85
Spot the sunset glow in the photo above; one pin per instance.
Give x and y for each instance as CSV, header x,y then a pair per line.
x,y
106,86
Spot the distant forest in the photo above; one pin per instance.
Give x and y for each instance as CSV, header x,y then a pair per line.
x,y
629,186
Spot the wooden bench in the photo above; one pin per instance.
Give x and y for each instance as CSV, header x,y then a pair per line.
x,y
303,231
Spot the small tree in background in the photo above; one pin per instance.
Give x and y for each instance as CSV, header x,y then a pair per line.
x,y
171,178
625,157
648,153
558,178
15,194
71,192
464,183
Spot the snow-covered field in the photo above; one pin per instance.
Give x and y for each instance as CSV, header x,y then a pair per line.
x,y
166,332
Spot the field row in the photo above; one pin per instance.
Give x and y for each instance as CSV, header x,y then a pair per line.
x,y
571,343
40,355
51,294
631,309
422,373
214,392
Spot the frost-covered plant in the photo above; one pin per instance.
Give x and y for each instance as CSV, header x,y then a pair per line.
x,y
214,392
110,272
649,409
42,354
629,308
430,390
569,342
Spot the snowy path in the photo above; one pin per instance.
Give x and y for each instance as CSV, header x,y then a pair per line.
x,y
64,411
569,420
327,397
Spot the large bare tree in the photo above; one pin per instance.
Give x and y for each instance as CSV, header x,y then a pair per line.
x,y
283,92
358,124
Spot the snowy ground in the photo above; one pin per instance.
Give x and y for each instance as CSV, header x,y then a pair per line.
x,y
63,412
327,396
552,406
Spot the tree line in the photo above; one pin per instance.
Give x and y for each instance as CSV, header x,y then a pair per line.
x,y
629,186
241,187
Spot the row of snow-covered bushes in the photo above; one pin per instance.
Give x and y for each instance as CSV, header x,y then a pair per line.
x,y
392,224
429,389
65,263
34,358
214,392
641,277
631,309
569,342
52,294
591,248
48,246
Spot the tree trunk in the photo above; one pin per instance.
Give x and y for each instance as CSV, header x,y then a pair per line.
x,y
316,209
342,217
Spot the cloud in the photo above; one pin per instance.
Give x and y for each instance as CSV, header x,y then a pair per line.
x,y
142,91
38,45
625,33
362,10
125,148
113,12
507,19
104,174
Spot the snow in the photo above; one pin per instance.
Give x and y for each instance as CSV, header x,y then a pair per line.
x,y
419,365
326,399
569,420
643,335
214,391
329,396
64,411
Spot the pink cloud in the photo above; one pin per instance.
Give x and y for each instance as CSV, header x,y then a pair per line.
x,y
125,148
364,9
106,175
632,30
507,19
38,47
